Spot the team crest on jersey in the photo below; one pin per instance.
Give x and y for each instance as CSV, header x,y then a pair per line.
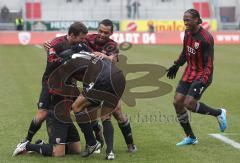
x,y
24,37
58,140
40,104
196,45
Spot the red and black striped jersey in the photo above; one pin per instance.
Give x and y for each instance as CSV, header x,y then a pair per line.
x,y
53,61
109,48
198,52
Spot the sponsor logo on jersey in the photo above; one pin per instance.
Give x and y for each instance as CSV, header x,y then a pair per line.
x,y
191,50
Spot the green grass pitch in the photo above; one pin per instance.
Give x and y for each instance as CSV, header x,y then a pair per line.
x,y
153,120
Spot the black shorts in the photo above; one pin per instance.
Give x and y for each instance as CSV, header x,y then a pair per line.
x,y
59,132
186,88
45,97
114,86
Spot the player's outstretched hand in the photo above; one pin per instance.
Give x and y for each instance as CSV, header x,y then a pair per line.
x,y
172,71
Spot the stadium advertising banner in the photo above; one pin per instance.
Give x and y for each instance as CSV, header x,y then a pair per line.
x,y
161,25
63,25
159,38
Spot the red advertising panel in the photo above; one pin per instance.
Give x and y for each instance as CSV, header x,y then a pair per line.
x,y
203,8
26,38
33,10
160,38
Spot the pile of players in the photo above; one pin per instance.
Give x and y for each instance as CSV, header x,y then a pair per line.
x,y
98,88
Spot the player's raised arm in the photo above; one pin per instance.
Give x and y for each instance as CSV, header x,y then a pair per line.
x,y
172,71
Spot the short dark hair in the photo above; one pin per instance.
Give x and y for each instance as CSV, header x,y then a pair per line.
x,y
76,28
195,14
107,22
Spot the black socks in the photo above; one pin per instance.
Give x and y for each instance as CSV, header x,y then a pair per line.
x,y
126,130
184,122
44,149
108,132
33,128
204,109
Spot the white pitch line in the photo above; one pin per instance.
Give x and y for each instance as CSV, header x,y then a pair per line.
x,y
39,46
226,140
229,134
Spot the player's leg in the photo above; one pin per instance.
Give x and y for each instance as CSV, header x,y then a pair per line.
x,y
182,115
97,128
58,134
44,149
43,104
57,140
73,148
125,127
108,133
73,139
79,104
57,150
117,88
41,115
36,123
193,104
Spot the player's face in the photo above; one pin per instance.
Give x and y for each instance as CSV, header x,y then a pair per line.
x,y
190,22
104,32
76,39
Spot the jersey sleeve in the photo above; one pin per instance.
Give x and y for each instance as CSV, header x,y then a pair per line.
x,y
182,57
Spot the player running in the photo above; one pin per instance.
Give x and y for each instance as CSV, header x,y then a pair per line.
x,y
198,52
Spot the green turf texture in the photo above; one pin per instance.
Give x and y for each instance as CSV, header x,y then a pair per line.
x,y
153,120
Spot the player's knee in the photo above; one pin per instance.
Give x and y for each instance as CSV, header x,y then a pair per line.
x,y
106,118
189,104
177,102
118,115
41,115
74,108
74,148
